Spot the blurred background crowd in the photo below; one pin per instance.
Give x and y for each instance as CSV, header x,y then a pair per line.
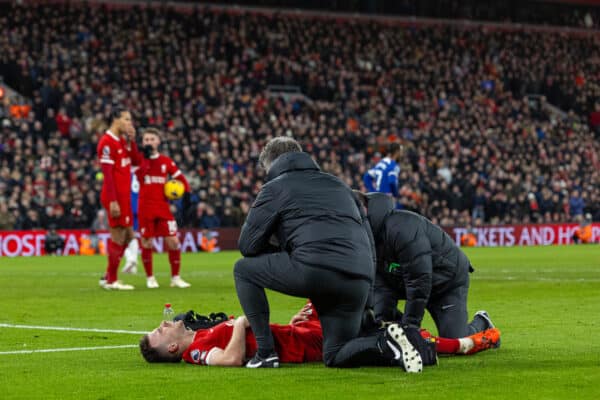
x,y
497,125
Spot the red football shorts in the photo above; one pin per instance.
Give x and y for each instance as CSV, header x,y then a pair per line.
x,y
124,220
157,227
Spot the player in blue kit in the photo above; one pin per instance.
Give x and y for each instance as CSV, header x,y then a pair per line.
x,y
383,177
132,251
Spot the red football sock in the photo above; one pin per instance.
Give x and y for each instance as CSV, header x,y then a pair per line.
x,y
115,253
175,260
442,345
447,346
147,260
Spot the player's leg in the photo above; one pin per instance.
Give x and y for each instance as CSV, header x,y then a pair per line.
x,y
131,257
449,312
472,344
147,262
147,232
341,317
168,229
116,246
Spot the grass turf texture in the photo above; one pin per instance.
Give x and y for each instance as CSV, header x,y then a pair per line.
x,y
544,299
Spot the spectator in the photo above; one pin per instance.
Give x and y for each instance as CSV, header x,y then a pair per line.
x,y
217,113
209,220
53,242
7,217
101,221
576,205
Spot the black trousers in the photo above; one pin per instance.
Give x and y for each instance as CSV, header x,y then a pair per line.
x,y
338,298
447,308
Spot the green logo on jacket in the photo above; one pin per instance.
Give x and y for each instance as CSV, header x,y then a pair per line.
x,y
393,266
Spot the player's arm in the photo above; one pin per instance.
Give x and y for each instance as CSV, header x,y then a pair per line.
x,y
259,224
177,174
234,353
134,153
414,256
107,163
368,178
384,300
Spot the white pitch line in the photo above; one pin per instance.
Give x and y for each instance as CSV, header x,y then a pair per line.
x,y
65,328
124,346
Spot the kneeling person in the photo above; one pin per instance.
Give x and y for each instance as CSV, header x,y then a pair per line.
x,y
417,261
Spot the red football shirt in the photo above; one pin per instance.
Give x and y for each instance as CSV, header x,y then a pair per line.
x,y
302,342
115,151
152,175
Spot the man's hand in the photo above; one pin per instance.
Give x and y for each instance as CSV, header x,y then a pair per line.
x,y
302,315
243,321
114,209
131,134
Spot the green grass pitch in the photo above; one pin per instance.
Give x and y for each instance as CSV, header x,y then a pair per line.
x,y
546,301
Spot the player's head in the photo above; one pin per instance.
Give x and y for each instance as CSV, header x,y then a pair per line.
x,y
276,147
165,343
120,120
151,137
394,151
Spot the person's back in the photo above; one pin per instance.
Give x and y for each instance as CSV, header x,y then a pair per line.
x,y
320,224
403,235
419,262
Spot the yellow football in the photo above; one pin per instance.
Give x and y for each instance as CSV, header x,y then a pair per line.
x,y
174,189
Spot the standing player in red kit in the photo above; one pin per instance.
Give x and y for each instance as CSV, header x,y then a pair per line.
x,y
117,151
155,218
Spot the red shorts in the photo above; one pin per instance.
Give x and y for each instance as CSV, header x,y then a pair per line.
x,y
157,227
124,220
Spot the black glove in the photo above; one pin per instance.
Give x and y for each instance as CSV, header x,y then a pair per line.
x,y
147,149
425,348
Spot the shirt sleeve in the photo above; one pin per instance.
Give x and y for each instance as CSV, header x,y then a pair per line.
x,y
106,154
177,174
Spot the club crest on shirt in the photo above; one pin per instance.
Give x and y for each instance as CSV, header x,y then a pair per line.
x,y
163,168
195,354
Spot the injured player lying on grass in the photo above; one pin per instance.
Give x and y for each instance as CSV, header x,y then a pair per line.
x,y
231,342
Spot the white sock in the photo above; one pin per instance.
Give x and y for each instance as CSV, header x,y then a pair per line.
x,y
466,344
131,253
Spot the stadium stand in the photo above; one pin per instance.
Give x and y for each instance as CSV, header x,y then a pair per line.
x,y
500,124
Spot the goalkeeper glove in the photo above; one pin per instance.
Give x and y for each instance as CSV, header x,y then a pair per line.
x,y
147,149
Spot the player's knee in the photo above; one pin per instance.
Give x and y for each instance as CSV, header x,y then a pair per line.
x,y
241,267
173,244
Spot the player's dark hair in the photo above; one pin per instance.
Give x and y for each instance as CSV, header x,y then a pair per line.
x,y
153,355
153,131
393,148
276,147
116,112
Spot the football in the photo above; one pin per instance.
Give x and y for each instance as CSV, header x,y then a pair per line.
x,y
174,189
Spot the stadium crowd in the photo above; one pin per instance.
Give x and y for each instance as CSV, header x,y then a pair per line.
x,y
477,149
